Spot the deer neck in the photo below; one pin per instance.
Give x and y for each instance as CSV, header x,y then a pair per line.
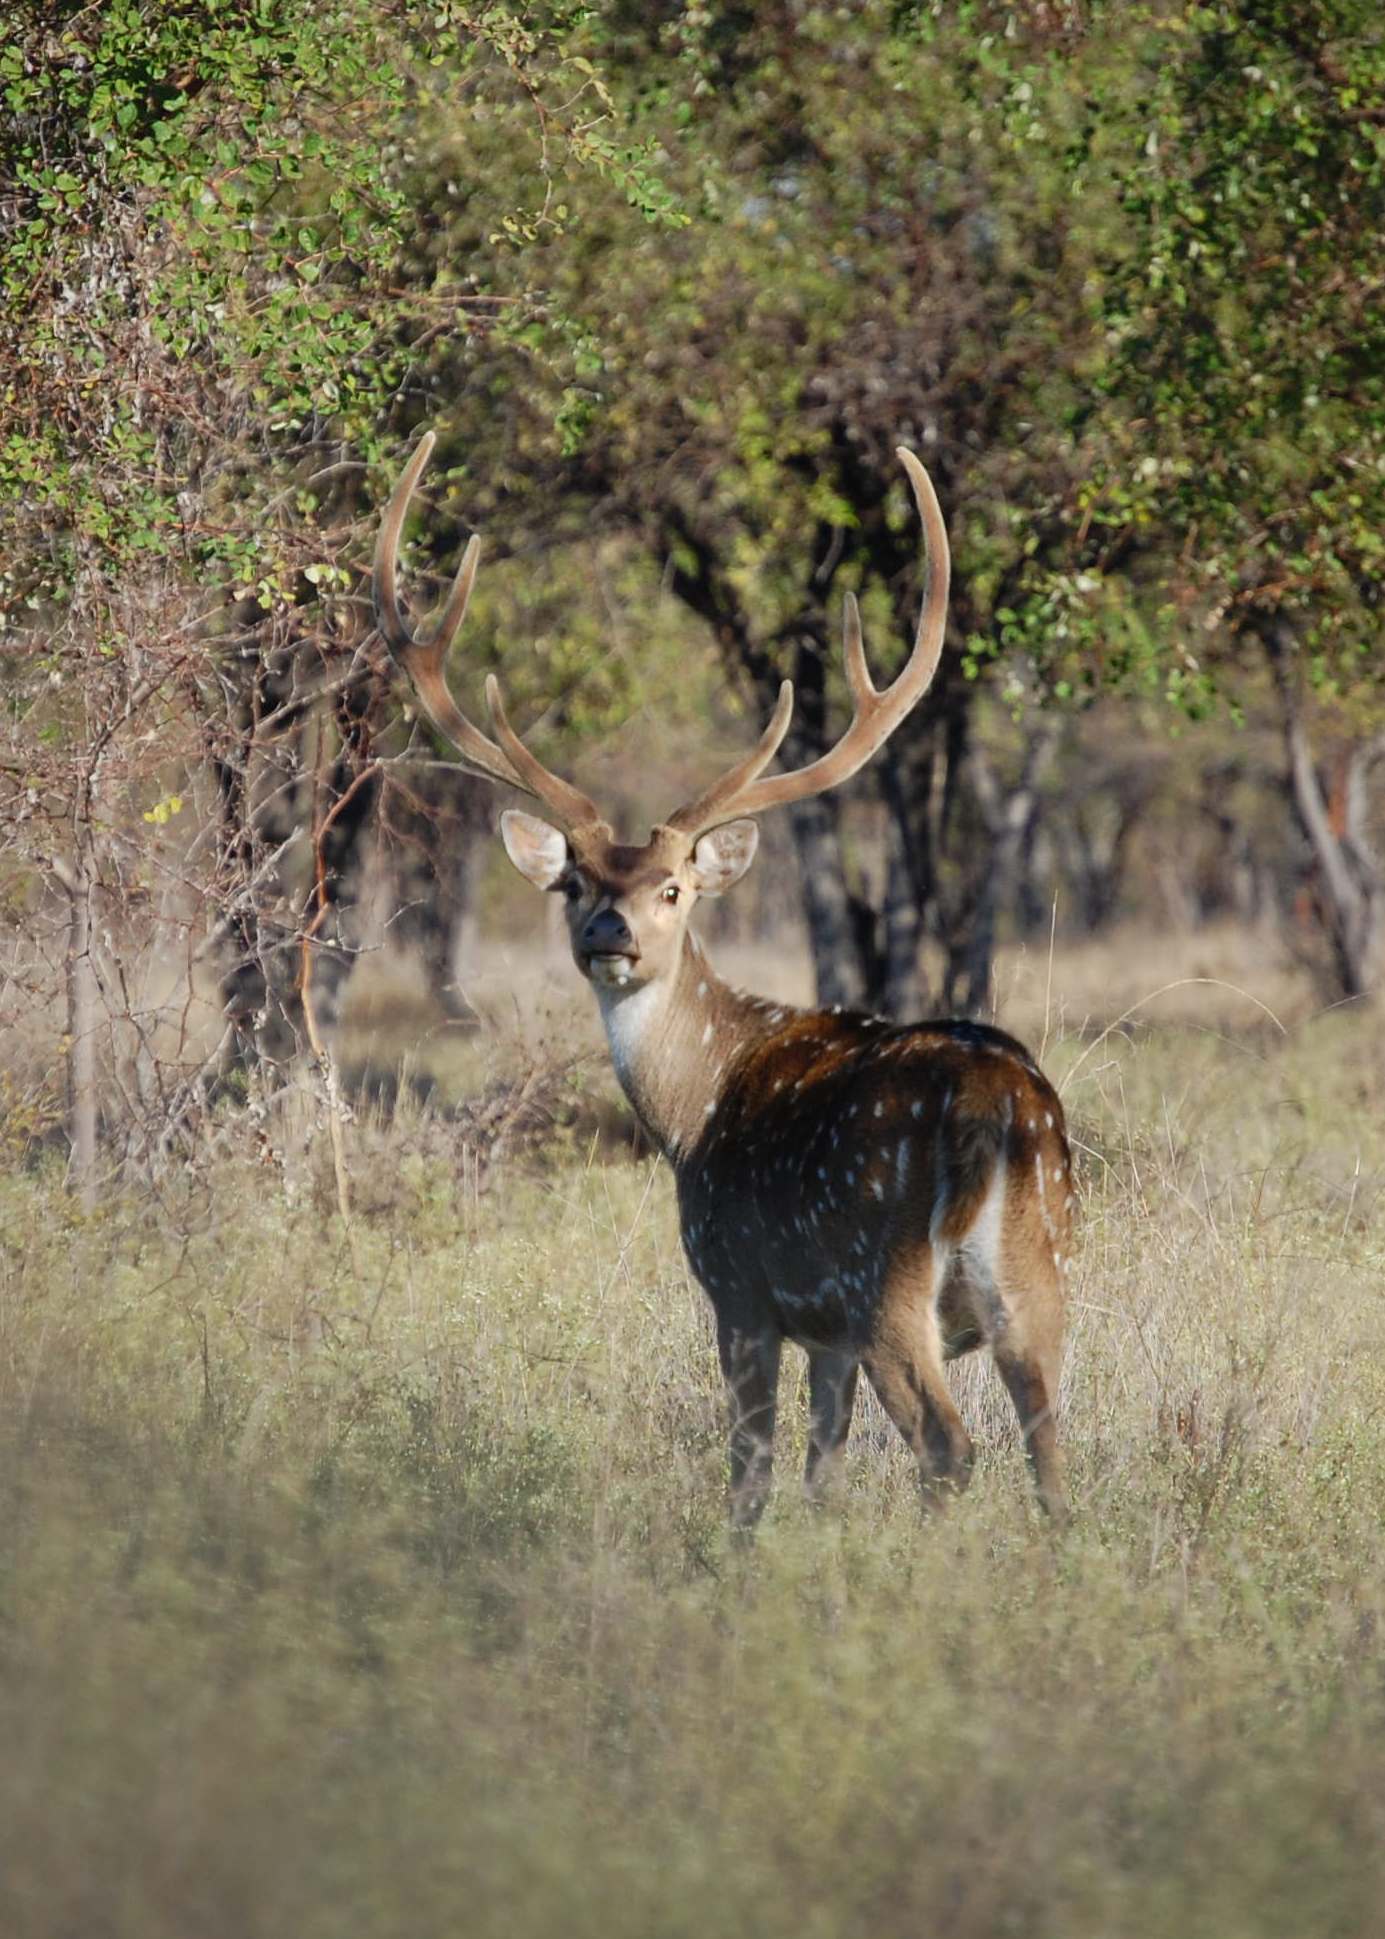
x,y
673,1043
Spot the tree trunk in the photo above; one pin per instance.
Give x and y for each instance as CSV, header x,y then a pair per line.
x,y
907,784
1008,814
1347,895
838,970
840,964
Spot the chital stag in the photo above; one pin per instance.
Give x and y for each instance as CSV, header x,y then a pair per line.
x,y
886,1196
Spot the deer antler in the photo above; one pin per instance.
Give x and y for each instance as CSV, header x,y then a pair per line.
x,y
875,714
422,660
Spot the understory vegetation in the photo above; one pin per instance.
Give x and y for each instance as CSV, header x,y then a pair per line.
x,y
376,1581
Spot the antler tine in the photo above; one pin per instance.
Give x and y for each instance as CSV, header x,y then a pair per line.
x,y
530,773
719,802
854,652
875,713
384,569
422,660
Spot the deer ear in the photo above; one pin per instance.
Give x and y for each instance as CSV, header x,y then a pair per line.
x,y
722,857
539,852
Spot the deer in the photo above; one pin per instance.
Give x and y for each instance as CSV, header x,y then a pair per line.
x,y
885,1196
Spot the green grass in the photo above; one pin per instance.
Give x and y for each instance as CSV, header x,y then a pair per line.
x,y
392,1597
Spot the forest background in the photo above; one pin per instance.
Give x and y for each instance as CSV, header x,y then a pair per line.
x,y
670,287
280,1035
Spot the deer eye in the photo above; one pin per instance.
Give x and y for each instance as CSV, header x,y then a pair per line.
x,y
670,893
572,888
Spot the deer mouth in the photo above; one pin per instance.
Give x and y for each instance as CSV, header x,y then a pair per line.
x,y
612,967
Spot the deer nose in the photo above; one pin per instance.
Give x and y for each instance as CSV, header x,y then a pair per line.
x,y
606,933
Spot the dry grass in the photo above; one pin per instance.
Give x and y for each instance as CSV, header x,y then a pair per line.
x,y
398,1600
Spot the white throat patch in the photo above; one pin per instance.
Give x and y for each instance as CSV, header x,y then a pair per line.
x,y
629,1016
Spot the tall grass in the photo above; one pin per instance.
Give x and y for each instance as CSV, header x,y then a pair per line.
x,y
396,1600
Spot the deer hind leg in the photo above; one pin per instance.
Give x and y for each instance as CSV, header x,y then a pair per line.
x,y
831,1396
750,1364
1031,1379
1007,1273
904,1364
1027,1344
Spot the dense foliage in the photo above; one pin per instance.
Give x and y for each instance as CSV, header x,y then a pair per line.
x,y
1246,320
1115,274
205,214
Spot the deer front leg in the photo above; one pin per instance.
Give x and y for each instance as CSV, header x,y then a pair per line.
x,y
750,1364
831,1396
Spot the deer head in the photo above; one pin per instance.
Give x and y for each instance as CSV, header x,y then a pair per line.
x,y
628,904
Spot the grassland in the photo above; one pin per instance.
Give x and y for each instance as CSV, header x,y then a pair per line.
x,y
377,1584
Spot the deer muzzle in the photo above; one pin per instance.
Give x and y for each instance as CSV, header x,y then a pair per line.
x,y
608,949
